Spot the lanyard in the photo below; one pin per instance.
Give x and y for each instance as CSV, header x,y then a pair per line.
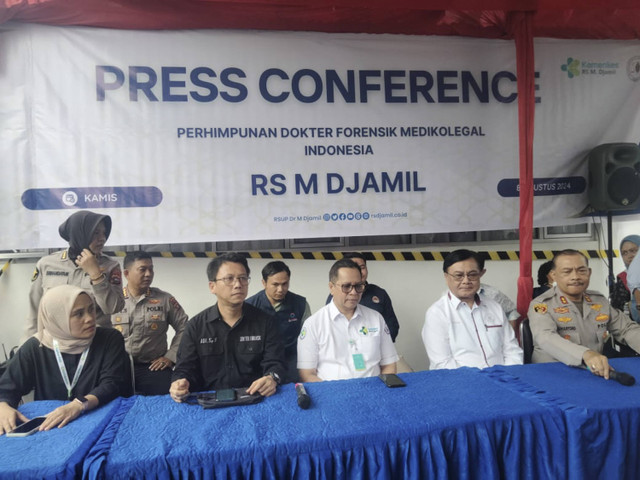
x,y
63,369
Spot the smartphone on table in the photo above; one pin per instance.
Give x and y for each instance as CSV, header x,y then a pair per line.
x,y
27,428
391,380
226,395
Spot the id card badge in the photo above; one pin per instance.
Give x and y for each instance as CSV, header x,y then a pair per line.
x,y
358,362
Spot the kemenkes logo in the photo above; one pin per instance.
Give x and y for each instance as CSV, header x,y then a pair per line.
x,y
572,67
87,197
575,67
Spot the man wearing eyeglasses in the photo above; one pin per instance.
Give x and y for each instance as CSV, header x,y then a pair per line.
x,y
375,297
231,344
344,339
570,324
464,328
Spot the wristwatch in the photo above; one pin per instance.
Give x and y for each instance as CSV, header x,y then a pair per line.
x,y
276,377
82,401
99,278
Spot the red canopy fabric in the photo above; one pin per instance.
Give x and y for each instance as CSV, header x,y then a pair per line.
x,y
617,19
521,20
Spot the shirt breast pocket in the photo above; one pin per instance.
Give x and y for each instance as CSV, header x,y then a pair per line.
x,y
121,323
210,349
155,322
250,348
249,356
50,281
495,334
370,347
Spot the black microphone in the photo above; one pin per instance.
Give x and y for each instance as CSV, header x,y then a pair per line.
x,y
304,400
620,377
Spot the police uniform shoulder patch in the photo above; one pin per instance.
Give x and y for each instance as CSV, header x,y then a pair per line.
x,y
540,308
174,303
34,277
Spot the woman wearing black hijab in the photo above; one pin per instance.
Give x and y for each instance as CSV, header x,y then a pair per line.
x,y
82,265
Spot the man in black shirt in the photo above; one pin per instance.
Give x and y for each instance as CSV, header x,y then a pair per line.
x,y
231,344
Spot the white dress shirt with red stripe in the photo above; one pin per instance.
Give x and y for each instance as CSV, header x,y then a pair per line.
x,y
455,335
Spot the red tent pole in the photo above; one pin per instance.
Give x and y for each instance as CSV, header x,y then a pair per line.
x,y
522,28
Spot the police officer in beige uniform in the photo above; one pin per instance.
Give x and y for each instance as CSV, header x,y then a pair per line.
x,y
144,323
82,265
570,324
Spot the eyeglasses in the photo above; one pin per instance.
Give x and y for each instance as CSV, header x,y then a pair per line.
x,y
580,271
459,276
347,287
231,280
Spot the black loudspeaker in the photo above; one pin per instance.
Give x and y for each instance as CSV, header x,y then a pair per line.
x,y
614,177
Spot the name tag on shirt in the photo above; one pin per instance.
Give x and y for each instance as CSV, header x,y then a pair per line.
x,y
358,362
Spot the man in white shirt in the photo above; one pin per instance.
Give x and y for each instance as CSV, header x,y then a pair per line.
x,y
344,339
464,328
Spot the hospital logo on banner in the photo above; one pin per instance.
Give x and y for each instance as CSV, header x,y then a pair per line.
x,y
575,67
572,67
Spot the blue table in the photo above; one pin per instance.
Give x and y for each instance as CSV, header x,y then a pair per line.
x,y
603,417
532,421
57,453
459,424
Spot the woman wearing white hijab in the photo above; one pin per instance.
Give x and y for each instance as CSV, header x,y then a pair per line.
x,y
67,359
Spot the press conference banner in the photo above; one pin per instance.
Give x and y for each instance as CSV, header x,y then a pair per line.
x,y
193,136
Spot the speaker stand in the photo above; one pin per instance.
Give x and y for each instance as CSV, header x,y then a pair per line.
x,y
612,280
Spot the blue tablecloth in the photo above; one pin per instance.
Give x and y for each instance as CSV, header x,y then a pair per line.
x,y
441,425
531,422
58,453
603,417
